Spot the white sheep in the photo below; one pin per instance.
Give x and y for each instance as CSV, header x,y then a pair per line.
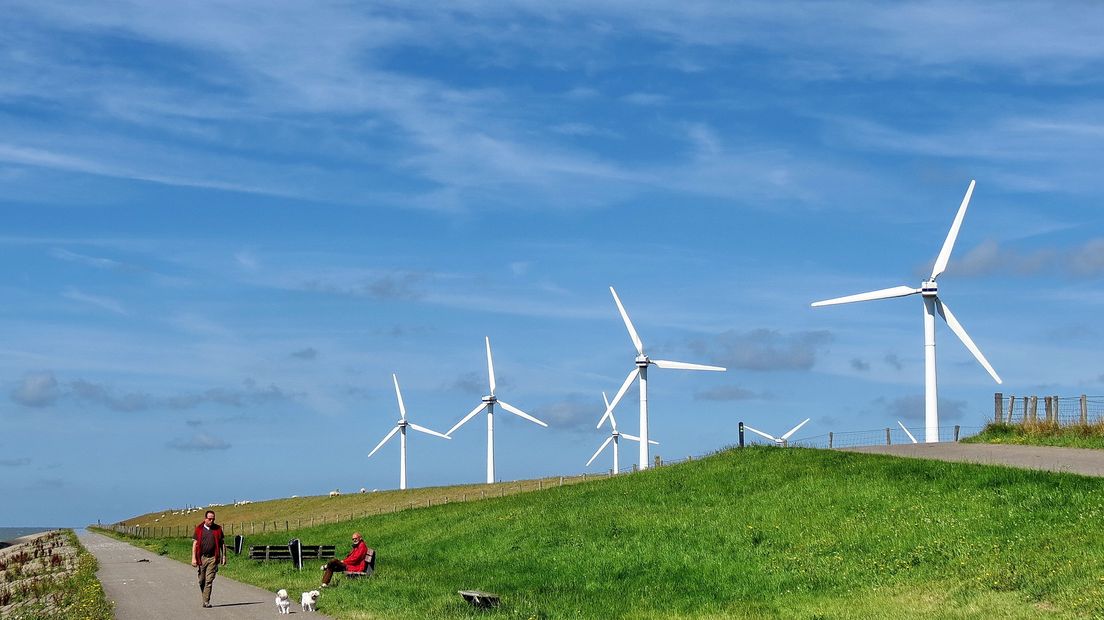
x,y
335,493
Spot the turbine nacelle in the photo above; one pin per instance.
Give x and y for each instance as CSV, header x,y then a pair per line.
x,y
929,288
490,399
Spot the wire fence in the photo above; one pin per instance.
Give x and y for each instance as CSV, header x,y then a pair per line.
x,y
1061,410
882,437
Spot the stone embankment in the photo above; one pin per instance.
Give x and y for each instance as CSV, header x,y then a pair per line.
x,y
49,575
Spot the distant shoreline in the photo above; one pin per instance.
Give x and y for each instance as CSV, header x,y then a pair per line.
x,y
11,535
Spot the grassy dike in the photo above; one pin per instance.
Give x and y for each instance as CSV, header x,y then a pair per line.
x,y
1043,434
757,533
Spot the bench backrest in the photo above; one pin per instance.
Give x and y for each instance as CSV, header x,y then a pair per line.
x,y
282,552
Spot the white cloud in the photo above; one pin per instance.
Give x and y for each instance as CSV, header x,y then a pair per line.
x,y
199,442
105,303
38,389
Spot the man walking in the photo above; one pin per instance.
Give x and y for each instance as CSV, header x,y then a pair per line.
x,y
207,554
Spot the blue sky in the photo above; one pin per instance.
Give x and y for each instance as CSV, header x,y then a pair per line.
x,y
226,225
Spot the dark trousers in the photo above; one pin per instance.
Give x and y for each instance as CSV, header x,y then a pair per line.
x,y
333,566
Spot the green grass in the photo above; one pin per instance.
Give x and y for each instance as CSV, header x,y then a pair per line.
x,y
1043,434
757,533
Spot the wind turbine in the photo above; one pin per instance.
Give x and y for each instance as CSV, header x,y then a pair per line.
x,y
778,440
488,404
932,306
614,436
641,371
400,427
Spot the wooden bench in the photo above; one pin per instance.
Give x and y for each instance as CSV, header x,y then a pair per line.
x,y
283,552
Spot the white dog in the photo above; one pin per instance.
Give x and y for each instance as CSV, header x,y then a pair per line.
x,y
309,599
283,605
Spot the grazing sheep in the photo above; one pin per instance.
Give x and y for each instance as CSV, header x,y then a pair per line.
x,y
335,493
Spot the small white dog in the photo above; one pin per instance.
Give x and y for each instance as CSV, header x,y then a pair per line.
x,y
283,605
309,599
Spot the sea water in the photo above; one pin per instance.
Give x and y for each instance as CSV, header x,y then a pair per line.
x,y
11,533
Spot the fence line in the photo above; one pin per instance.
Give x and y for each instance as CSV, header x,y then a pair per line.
x,y
1061,410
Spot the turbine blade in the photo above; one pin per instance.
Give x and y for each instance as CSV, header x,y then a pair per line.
x,y
959,331
380,444
467,417
490,366
885,293
637,439
794,429
620,393
948,244
609,412
602,447
628,323
906,431
686,365
427,431
398,395
759,432
518,412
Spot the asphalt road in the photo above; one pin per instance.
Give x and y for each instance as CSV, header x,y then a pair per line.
x,y
1068,460
165,588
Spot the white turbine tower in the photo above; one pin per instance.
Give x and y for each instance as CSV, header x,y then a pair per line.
x,y
641,371
778,440
614,436
400,427
932,306
488,404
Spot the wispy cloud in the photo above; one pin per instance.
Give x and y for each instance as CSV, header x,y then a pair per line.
x,y
989,258
104,303
199,442
764,349
729,393
307,354
91,261
911,408
20,462
43,389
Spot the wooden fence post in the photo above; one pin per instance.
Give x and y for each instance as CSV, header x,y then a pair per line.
x,y
1048,406
1011,404
1084,410
829,440
658,462
957,428
998,407
887,437
1034,408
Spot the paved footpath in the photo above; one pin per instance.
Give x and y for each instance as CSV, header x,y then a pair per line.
x,y
165,588
1069,460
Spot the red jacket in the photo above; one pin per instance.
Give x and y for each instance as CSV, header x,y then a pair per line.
x,y
216,530
357,558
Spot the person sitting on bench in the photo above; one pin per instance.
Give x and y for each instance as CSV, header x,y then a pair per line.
x,y
355,562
